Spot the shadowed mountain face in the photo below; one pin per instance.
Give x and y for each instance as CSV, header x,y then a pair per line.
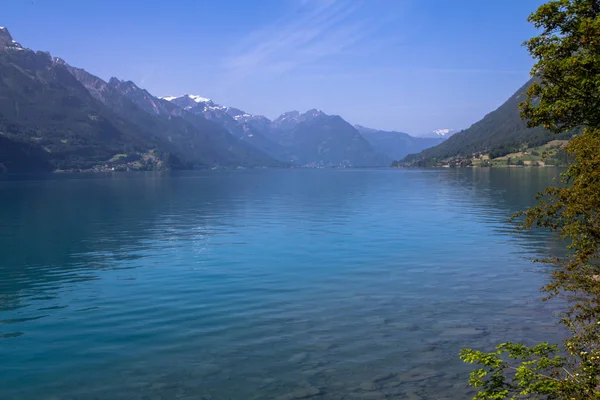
x,y
44,107
202,141
501,131
397,145
20,156
309,139
244,127
320,139
55,116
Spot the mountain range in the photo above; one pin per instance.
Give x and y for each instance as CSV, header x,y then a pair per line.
x,y
397,145
68,119
312,138
54,116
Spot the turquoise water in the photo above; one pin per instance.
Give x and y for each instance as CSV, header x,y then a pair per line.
x,y
264,284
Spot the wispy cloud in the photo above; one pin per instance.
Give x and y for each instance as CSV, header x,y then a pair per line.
x,y
324,72
310,32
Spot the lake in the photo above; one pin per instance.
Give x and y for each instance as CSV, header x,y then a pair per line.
x,y
265,284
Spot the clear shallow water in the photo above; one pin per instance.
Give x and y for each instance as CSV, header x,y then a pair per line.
x,y
260,284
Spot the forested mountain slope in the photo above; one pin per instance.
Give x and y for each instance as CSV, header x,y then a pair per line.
x,y
499,133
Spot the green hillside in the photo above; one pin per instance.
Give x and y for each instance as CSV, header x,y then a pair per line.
x,y
499,133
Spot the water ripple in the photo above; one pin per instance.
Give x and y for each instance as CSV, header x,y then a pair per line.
x,y
264,284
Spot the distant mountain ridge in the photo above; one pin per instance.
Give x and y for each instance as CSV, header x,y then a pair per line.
x,y
320,139
198,138
233,120
397,145
312,138
54,116
440,133
72,120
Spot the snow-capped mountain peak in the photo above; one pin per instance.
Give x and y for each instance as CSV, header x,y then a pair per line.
x,y
190,101
6,40
298,117
289,114
239,117
443,132
313,113
198,99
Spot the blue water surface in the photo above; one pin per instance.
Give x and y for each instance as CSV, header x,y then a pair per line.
x,y
265,284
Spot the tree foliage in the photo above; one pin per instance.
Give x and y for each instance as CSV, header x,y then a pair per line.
x,y
567,92
565,95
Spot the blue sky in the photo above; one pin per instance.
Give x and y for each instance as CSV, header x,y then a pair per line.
x,y
407,65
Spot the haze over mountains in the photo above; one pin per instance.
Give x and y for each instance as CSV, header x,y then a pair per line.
x,y
312,138
59,117
54,116
392,142
440,133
